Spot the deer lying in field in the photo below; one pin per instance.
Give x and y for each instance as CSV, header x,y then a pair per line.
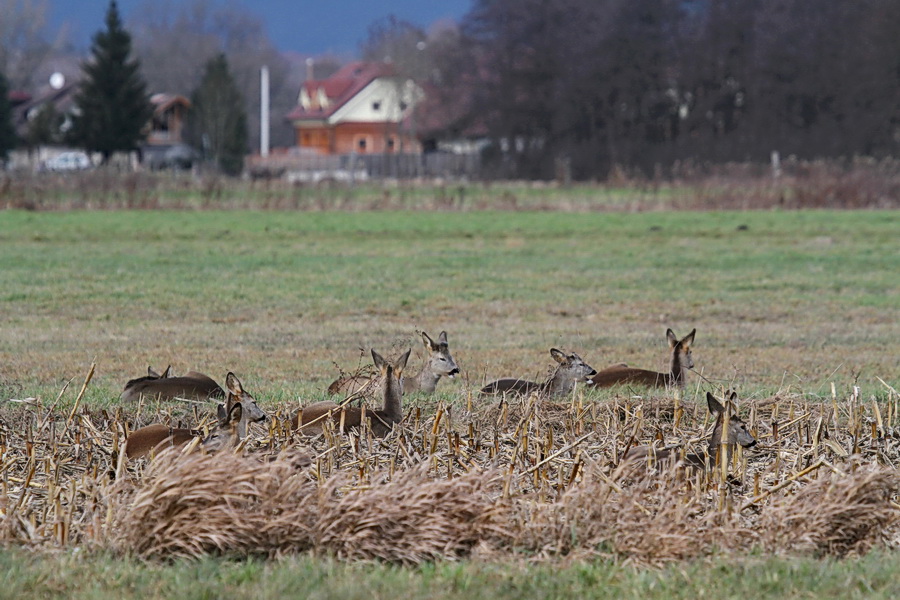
x,y
167,387
681,362
570,370
234,417
438,364
738,434
311,418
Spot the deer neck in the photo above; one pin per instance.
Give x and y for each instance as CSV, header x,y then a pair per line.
x,y
558,384
392,397
715,442
677,369
425,381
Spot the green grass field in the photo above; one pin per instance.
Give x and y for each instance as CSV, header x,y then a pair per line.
x,y
68,576
782,301
778,298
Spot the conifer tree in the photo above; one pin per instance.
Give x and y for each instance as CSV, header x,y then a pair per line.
x,y
112,103
218,122
7,132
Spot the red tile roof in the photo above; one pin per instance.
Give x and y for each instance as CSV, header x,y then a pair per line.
x,y
339,88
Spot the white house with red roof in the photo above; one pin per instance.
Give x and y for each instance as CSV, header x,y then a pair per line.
x,y
363,108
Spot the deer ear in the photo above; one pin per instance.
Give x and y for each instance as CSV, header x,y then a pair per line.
x,y
379,360
233,384
558,355
401,362
714,405
429,343
670,335
167,373
152,373
442,339
235,414
689,338
221,413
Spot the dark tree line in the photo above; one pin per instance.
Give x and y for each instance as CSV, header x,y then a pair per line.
x,y
646,83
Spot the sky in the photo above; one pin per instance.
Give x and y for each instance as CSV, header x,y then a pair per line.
x,y
305,26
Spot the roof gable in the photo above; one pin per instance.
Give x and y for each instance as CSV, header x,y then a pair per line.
x,y
321,98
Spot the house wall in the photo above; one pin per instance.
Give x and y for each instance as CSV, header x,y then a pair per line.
x,y
356,138
383,100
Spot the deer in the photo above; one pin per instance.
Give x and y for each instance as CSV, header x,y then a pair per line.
x,y
167,387
233,419
738,434
310,419
570,370
439,363
681,362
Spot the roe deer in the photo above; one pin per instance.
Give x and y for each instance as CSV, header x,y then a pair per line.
x,y
166,387
438,364
571,369
151,438
681,361
738,433
311,417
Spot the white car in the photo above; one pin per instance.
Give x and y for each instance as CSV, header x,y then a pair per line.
x,y
68,161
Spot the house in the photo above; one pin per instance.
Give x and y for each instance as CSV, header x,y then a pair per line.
x,y
363,108
167,124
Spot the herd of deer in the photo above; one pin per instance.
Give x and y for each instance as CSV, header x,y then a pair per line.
x,y
239,409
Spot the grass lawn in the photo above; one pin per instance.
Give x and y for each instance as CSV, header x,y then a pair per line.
x,y
97,578
778,298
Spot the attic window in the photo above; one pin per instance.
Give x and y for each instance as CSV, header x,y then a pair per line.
x,y
376,106
403,106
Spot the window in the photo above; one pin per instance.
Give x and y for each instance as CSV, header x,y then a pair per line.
x,y
376,106
361,144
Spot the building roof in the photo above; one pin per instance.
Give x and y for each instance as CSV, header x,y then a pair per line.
x,y
320,98
162,102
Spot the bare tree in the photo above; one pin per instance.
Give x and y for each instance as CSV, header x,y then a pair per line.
x,y
174,41
23,43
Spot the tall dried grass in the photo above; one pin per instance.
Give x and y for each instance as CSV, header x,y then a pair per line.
x,y
851,183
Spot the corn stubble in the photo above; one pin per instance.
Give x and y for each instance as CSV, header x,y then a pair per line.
x,y
522,479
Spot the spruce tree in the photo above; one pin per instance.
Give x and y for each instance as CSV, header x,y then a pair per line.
x,y
7,131
218,123
112,103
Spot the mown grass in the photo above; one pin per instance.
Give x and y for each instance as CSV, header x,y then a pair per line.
x,y
776,297
69,575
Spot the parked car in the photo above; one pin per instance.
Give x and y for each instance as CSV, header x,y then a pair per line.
x,y
68,161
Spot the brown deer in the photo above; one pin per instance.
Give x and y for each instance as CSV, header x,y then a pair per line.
x,y
738,433
439,364
311,418
681,362
167,387
234,417
570,370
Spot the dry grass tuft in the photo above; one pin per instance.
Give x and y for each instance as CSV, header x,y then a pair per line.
x,y
224,503
411,519
835,515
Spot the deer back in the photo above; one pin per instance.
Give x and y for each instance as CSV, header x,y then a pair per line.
x,y
194,385
680,360
570,369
